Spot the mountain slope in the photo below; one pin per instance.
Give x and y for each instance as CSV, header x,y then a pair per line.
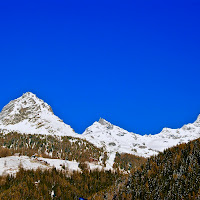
x,y
29,114
173,174
115,139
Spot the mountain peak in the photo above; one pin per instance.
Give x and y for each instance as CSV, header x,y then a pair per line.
x,y
105,123
29,94
29,114
28,106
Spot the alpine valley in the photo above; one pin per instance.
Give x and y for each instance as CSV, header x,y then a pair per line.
x,y
31,136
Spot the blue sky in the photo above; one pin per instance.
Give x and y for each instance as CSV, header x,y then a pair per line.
x,y
134,63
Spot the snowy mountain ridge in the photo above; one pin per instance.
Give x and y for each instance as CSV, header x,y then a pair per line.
x,y
29,114
115,139
102,134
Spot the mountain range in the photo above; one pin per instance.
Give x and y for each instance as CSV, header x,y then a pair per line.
x,y
30,115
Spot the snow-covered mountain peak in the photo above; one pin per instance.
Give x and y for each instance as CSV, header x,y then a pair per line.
x,y
28,106
105,134
102,121
29,94
29,114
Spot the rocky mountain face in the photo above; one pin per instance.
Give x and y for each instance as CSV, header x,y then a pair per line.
x,y
29,114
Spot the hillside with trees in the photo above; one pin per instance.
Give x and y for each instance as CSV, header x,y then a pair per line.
x,y
55,184
173,174
63,147
127,162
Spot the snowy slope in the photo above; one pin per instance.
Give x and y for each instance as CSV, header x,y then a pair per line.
x,y
29,114
115,139
11,164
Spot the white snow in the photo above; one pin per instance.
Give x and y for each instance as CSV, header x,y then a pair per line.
x,y
57,163
115,139
11,164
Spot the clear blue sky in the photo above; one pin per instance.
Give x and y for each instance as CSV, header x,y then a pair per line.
x,y
134,63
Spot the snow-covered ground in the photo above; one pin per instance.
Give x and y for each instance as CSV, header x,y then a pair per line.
x,y
11,164
70,165
58,163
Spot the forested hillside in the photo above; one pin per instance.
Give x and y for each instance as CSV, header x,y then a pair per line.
x,y
55,184
64,147
127,162
173,174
